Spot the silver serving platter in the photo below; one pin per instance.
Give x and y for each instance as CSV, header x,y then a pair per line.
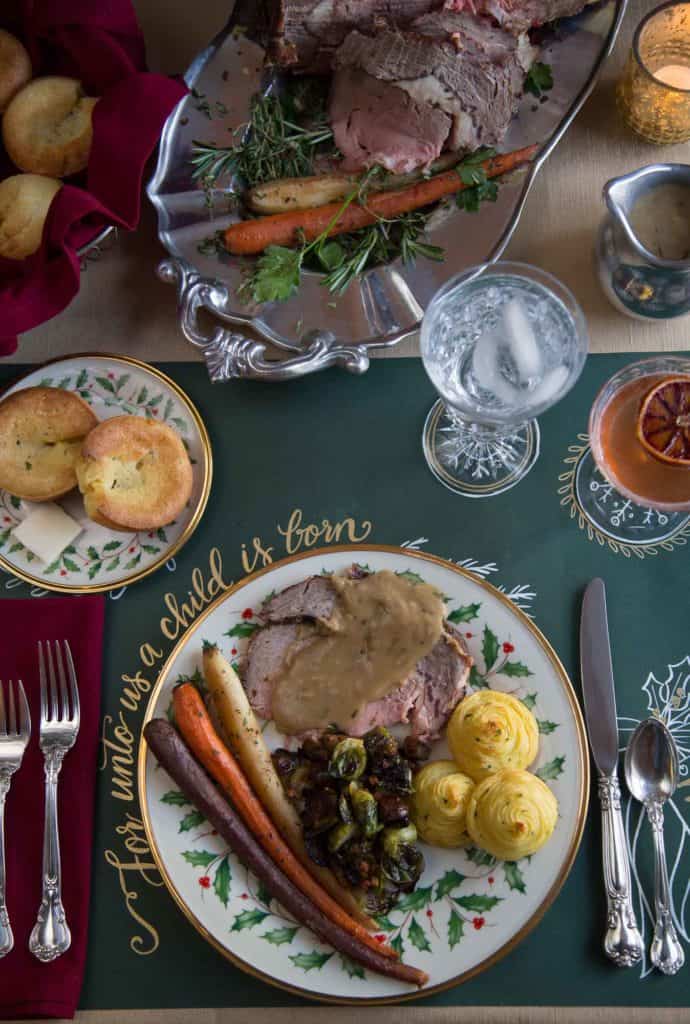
x,y
314,329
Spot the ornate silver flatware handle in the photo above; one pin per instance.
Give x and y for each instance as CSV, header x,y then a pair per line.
x,y
666,952
622,942
51,937
6,936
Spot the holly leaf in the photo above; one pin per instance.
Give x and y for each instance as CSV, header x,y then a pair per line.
x,y
451,880
112,545
242,629
190,821
551,770
142,396
264,895
352,969
248,918
277,274
168,408
199,858
280,936
113,564
416,900
456,929
162,535
477,902
52,567
397,945
133,561
153,402
529,701
385,923
70,564
539,78
94,569
310,961
515,669
513,876
546,727
479,857
106,384
81,379
17,546
92,553
150,549
477,680
417,936
15,502
413,577
489,648
175,798
465,613
121,381
221,882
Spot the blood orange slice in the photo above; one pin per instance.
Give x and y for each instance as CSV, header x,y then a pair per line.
x,y
663,425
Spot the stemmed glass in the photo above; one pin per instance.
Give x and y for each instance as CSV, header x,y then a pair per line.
x,y
501,343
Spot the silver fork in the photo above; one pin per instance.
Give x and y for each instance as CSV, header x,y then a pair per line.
x,y
51,936
14,738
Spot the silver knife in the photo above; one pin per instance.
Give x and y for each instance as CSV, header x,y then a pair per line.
x,y
622,942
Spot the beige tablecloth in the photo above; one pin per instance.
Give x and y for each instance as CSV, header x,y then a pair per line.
x,y
122,307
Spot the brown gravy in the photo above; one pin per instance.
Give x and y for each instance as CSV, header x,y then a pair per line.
x,y
383,624
661,221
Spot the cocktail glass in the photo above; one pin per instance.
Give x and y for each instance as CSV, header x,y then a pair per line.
x,y
501,343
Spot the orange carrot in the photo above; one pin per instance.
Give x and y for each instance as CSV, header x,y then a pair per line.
x,y
194,722
248,237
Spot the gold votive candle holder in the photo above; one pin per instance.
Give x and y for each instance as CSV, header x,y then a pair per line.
x,y
654,92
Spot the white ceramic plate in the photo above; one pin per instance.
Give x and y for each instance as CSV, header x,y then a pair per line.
x,y
102,559
467,909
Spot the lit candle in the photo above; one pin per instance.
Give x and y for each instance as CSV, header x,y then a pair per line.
x,y
677,75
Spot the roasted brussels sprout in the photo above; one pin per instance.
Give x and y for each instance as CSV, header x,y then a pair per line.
x,y
379,743
340,835
404,869
393,808
394,838
344,808
285,761
348,760
395,776
364,809
320,809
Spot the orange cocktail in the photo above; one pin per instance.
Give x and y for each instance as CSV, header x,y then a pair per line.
x,y
640,431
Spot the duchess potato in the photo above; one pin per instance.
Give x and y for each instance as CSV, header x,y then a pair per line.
x,y
439,804
491,730
511,814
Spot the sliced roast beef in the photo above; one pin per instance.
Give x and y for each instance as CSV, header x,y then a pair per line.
x,y
520,15
376,122
425,699
305,33
447,62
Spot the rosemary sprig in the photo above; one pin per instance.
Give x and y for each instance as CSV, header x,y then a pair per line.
x,y
274,147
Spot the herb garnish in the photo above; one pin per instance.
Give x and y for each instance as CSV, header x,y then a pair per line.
x,y
479,188
539,78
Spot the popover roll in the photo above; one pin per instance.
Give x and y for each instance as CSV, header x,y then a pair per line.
x,y
47,127
15,67
134,474
511,814
490,730
24,203
41,432
440,799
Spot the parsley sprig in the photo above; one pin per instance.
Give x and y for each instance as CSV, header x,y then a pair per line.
x,y
479,188
539,78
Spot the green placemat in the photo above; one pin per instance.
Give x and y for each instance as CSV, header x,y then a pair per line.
x,y
301,464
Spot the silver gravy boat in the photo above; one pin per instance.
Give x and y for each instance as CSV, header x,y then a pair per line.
x,y
637,281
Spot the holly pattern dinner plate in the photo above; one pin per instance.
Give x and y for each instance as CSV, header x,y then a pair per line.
x,y
102,559
467,909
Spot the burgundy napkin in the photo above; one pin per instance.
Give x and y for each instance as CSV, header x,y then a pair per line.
x,y
29,988
101,44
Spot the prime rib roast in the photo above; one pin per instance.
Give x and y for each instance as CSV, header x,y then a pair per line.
x,y
412,78
425,699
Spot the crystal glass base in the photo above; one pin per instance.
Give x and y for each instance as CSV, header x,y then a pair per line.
x,y
616,516
477,462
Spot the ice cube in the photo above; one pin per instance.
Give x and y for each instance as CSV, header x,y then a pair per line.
x,y
551,384
486,368
521,341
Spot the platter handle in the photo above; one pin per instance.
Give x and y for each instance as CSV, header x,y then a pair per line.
x,y
231,354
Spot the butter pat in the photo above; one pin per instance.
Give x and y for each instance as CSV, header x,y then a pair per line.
x,y
47,531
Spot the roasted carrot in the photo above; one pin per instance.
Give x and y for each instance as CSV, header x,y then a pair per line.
x,y
194,722
174,755
248,237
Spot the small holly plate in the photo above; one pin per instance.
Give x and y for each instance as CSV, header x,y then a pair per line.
x,y
468,909
101,559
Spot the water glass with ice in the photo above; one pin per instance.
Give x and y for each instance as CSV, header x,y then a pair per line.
x,y
501,343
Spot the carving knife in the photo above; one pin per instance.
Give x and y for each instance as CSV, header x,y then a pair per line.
x,y
622,941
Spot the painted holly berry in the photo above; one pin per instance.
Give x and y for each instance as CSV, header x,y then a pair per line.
x,y
247,613
490,879
380,938
469,635
478,923
63,572
508,648
430,913
205,882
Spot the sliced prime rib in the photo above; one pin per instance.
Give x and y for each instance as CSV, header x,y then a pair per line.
x,y
305,33
520,15
425,699
447,63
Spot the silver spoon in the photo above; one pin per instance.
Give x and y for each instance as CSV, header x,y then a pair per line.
x,y
651,772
